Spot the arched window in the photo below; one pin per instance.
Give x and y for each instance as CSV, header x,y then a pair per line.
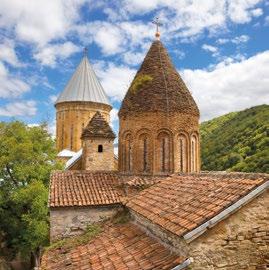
x,y
183,155
163,152
194,153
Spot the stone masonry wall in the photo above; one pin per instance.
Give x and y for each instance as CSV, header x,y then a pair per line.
x,y
152,125
71,118
93,160
68,221
173,242
239,242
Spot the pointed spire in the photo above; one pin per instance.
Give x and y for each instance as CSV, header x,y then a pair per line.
x,y
98,127
83,85
157,87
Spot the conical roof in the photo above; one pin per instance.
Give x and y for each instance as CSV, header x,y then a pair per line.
x,y
157,86
98,127
83,86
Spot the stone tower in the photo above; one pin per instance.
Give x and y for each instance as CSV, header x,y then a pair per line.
x,y
97,142
159,120
82,97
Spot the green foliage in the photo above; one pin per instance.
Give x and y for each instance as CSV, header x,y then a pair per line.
x,y
139,81
91,231
238,141
27,156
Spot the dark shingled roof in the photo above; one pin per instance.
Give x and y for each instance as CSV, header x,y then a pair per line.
x,y
98,127
157,86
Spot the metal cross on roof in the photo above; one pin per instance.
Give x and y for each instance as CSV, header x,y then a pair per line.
x,y
157,23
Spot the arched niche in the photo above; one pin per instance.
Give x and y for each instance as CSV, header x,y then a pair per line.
x,y
143,152
194,152
183,152
163,151
127,152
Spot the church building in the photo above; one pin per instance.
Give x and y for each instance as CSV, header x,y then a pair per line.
x,y
172,215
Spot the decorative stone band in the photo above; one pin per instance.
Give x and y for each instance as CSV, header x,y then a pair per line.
x,y
184,264
190,236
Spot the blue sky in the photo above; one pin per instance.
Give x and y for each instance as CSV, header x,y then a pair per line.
x,y
220,48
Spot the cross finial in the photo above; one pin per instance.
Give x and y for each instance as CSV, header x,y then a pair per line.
x,y
157,23
85,51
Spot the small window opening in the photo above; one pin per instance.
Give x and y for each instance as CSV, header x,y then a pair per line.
x,y
100,148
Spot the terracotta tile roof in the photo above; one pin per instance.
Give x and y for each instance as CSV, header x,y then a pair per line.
x,y
98,127
119,247
141,181
157,86
84,188
179,204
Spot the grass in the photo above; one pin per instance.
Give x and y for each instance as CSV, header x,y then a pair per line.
x,y
91,232
139,82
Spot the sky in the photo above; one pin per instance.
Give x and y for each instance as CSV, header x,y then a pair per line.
x,y
219,47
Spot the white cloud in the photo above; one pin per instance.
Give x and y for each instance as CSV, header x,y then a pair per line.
x,y
133,58
257,12
8,54
242,11
39,21
109,37
11,86
20,108
113,116
222,41
209,48
115,79
49,54
190,18
53,98
230,86
240,39
236,40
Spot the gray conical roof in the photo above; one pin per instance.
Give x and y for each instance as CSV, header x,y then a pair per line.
x,y
83,86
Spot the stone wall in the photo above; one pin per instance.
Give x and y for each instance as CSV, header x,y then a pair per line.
x,y
173,242
238,242
163,134
71,118
68,221
92,160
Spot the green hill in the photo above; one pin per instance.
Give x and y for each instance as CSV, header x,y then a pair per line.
x,y
238,141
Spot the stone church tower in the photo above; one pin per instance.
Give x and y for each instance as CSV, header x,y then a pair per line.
x,y
159,120
82,97
97,144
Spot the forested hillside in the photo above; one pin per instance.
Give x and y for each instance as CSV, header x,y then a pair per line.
x,y
238,141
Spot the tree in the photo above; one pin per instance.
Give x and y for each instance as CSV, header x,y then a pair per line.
x,y
27,156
